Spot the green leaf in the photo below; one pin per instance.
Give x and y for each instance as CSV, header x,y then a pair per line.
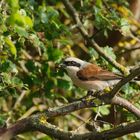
x,y
93,54
48,14
104,110
109,51
99,3
16,19
21,31
8,67
5,66
11,45
30,65
35,40
2,121
54,54
17,82
28,21
20,20
64,84
49,86
13,4
128,90
124,27
101,21
52,13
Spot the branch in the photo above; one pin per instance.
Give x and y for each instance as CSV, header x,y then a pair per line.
x,y
39,123
36,122
113,99
65,135
27,124
125,80
71,10
126,104
127,51
63,110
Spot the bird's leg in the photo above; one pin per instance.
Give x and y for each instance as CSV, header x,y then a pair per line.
x,y
93,93
89,94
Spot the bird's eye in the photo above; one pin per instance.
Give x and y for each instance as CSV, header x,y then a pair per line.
x,y
73,63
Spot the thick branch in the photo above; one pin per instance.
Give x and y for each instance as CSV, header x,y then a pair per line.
x,y
28,124
90,41
126,104
69,108
39,123
108,134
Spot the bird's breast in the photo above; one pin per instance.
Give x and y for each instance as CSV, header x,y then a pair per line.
x,y
90,85
93,85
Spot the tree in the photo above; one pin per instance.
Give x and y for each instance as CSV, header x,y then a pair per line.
x,y
35,36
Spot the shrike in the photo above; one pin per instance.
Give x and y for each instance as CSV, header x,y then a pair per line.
x,y
89,76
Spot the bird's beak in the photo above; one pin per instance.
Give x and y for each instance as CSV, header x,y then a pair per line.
x,y
62,65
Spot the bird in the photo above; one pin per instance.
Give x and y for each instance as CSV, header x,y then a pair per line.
x,y
89,76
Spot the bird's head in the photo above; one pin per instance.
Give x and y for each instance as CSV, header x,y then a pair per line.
x,y
72,64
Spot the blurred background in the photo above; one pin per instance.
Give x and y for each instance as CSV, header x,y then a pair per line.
x,y
36,35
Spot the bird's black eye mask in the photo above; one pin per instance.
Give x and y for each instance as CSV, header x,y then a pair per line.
x,y
71,63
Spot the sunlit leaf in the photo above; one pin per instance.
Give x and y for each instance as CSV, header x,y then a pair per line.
x,y
109,51
14,5
99,3
20,20
11,46
104,110
124,27
93,54
21,31
28,22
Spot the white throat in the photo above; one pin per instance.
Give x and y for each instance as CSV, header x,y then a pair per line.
x,y
72,71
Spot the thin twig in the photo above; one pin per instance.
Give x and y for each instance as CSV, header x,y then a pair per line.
x,y
18,102
125,80
129,51
71,10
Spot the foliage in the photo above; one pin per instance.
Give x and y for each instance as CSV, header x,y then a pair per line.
x,y
34,37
